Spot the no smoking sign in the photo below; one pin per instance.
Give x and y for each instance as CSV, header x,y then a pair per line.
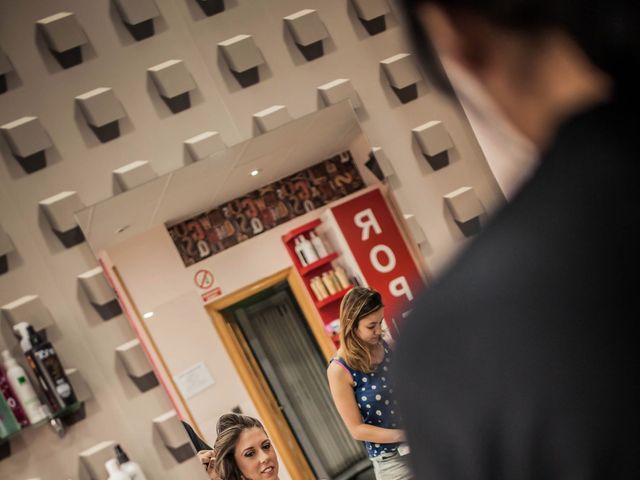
x,y
203,279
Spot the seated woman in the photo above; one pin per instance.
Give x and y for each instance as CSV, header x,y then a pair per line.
x,y
242,451
361,387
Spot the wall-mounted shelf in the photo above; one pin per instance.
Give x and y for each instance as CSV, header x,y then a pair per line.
x,y
333,298
307,227
65,412
316,265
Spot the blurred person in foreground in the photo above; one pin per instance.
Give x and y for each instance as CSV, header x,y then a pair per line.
x,y
527,347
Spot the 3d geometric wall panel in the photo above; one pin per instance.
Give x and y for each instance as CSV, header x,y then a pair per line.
x,y
28,141
465,208
102,111
174,436
308,32
272,117
6,247
79,384
243,58
211,7
403,76
417,233
94,458
434,141
135,362
64,37
204,145
137,16
134,174
100,293
5,67
371,14
28,309
59,210
339,90
174,82
379,164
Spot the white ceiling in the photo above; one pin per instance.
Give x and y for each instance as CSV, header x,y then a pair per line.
x,y
203,185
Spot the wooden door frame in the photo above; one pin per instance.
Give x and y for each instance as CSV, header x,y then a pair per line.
x,y
249,370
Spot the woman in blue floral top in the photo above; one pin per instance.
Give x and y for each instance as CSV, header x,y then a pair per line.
x,y
361,388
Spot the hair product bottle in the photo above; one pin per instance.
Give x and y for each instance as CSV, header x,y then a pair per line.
x,y
318,244
45,362
307,249
298,249
8,423
23,390
342,277
115,473
129,467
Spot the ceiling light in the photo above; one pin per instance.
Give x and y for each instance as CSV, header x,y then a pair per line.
x,y
254,173
147,315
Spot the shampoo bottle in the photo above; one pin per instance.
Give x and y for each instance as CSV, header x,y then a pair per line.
x,y
115,473
298,249
8,423
43,359
307,249
318,244
130,468
22,388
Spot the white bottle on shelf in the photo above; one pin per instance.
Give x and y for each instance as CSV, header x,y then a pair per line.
x,y
22,388
297,246
318,244
129,467
342,277
114,470
307,249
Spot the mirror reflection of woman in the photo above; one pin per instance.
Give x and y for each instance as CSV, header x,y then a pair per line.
x,y
242,451
361,387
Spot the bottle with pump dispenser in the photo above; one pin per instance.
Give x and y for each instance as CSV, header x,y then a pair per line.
x,y
43,360
129,467
114,471
21,386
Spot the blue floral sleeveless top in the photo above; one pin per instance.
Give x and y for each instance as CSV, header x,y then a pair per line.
x,y
375,399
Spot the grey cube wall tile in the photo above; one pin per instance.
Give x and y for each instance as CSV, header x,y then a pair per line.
x,y
65,37
79,384
136,364
306,27
371,9
100,293
271,118
30,309
434,142
383,161
6,244
403,76
211,7
464,204
308,32
134,174
204,145
137,11
243,58
28,142
5,63
138,16
59,210
102,110
174,82
174,436
94,458
100,106
417,233
338,90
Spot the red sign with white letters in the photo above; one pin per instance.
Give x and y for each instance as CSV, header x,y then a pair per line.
x,y
378,247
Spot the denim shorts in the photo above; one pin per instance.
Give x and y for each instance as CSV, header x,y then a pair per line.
x,y
391,466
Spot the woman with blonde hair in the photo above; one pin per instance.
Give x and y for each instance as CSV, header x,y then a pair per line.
x,y
242,451
360,384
